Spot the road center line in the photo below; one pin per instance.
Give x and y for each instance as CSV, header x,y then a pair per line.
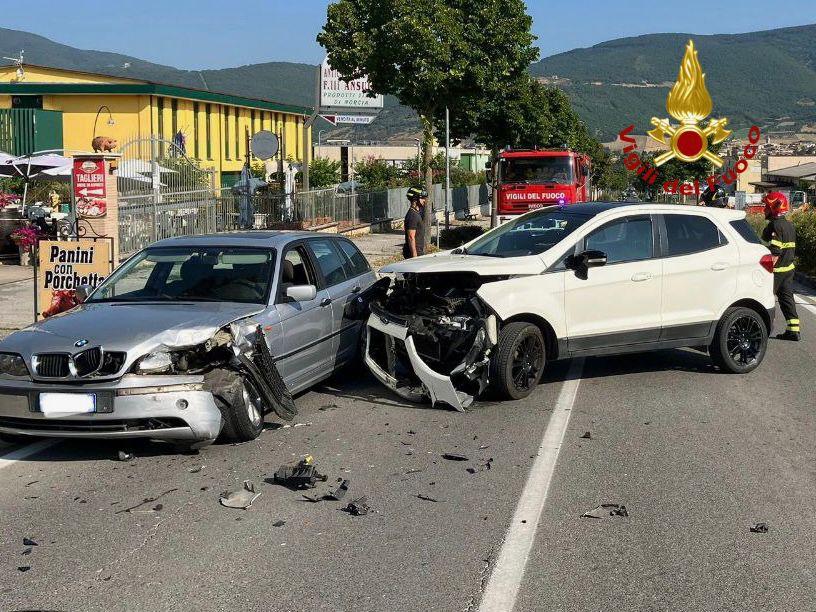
x,y
505,580
24,451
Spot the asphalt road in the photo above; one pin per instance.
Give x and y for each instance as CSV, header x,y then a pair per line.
x,y
696,457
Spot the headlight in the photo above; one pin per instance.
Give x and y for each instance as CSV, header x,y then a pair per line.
x,y
12,364
155,363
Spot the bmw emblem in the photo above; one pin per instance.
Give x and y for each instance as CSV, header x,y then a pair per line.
x,y
80,343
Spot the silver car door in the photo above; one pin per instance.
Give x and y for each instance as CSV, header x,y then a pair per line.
x,y
306,327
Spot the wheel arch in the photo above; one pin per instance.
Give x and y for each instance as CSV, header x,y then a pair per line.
x,y
757,307
550,339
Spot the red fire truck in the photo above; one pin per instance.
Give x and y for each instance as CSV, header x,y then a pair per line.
x,y
532,179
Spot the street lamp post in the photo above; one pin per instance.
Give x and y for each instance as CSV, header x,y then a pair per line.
x,y
110,118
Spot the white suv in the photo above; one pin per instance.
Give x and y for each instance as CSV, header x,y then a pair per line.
x,y
564,281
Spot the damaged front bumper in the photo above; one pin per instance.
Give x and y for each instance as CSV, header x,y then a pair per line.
x,y
423,383
134,406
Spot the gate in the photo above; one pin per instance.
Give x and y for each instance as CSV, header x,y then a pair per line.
x,y
162,193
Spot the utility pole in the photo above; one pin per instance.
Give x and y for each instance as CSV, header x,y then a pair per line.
x,y
307,123
447,172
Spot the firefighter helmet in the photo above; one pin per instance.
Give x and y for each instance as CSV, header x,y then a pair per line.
x,y
415,193
776,205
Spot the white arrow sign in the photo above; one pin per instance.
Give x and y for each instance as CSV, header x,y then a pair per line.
x,y
85,192
355,119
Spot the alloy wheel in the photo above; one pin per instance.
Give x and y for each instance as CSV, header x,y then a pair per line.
x,y
744,340
528,357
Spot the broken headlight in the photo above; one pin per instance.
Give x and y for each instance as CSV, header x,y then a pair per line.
x,y
12,365
155,363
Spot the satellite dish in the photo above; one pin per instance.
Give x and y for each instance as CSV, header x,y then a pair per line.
x,y
264,145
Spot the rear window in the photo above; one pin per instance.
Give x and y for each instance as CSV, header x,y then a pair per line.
x,y
357,262
745,230
691,234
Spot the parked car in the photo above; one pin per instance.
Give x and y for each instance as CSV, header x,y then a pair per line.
x,y
564,281
190,338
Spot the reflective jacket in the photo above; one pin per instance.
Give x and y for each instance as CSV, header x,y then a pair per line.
x,y
780,236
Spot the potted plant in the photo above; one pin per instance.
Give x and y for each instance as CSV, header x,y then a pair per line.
x,y
26,239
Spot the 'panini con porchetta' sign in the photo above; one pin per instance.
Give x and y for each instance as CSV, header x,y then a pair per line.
x,y
63,266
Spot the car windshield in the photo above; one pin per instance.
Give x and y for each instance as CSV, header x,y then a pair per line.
x,y
191,274
536,170
529,234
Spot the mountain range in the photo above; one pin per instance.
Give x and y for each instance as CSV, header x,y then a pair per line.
x,y
766,78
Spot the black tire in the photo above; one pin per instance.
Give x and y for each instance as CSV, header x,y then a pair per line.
x,y
240,405
518,361
740,341
18,440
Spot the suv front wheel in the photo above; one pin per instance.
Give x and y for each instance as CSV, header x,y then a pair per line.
x,y
518,360
740,341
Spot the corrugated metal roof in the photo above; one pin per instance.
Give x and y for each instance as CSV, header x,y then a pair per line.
x,y
802,171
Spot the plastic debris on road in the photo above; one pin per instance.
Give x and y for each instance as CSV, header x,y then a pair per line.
x,y
426,498
29,542
586,436
358,507
454,457
605,510
759,528
240,499
300,475
482,467
278,523
125,456
340,492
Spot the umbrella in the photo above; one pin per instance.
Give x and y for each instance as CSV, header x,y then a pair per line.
x,y
29,166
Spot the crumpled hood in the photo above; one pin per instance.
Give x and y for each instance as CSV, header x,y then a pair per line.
x,y
133,328
485,266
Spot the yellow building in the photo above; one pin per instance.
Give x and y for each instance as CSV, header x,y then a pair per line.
x,y
51,108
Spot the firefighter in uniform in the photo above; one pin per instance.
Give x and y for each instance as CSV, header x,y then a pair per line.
x,y
780,236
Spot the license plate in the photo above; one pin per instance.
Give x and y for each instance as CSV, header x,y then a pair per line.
x,y
59,404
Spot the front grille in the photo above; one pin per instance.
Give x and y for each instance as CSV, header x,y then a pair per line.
x,y
52,365
112,363
88,362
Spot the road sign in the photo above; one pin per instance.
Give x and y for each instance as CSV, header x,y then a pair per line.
x,y
89,187
264,145
336,93
330,118
354,119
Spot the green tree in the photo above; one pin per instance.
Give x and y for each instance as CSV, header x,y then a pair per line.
x,y
323,172
430,53
376,173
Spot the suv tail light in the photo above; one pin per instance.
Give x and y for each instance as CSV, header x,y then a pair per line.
x,y
767,262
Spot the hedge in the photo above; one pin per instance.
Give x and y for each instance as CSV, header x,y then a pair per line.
x,y
804,220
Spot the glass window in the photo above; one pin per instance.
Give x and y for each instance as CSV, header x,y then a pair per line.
x,y
746,231
551,169
628,239
529,234
174,117
191,274
237,133
690,234
195,131
357,263
226,132
208,131
330,261
295,270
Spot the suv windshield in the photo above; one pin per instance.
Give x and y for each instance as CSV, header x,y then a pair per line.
x,y
529,234
536,170
191,274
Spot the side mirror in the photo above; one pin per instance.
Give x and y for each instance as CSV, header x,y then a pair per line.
x,y
82,292
582,262
302,293
593,259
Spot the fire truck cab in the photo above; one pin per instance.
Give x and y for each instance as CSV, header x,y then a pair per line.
x,y
532,179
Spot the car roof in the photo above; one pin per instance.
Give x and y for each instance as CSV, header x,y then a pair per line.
x,y
592,209
259,238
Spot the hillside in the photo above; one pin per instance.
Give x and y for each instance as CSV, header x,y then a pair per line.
x,y
768,78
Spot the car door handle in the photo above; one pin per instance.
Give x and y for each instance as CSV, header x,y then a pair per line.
x,y
641,276
357,289
720,265
325,301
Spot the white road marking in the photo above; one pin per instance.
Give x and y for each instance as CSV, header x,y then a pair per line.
x,y
505,580
802,300
24,451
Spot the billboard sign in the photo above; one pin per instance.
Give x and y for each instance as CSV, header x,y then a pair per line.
x,y
89,188
336,93
62,266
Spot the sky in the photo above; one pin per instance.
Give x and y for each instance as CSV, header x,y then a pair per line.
x,y
200,34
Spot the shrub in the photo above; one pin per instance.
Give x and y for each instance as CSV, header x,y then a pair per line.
x,y
458,235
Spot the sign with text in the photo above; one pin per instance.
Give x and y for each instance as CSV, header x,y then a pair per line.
x,y
336,93
64,265
89,188
349,119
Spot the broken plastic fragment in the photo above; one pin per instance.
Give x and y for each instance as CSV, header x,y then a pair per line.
x,y
454,457
196,469
358,507
278,523
759,528
605,510
586,436
124,456
300,475
340,492
23,568
242,498
27,551
29,542
426,498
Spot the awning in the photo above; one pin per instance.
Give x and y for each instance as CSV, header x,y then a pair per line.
x,y
803,172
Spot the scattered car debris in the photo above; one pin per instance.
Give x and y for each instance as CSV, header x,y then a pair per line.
x,y
483,467
196,469
27,551
300,475
125,456
358,507
23,568
331,406
29,542
412,471
427,498
278,523
340,492
158,507
586,435
759,528
454,457
289,426
240,499
605,510
146,500
484,446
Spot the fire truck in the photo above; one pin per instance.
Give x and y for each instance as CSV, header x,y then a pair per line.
x,y
531,179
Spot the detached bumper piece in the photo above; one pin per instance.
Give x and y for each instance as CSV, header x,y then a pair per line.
x,y
260,367
393,357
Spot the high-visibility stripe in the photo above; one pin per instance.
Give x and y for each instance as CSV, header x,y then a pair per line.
x,y
793,329
783,245
792,321
784,268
